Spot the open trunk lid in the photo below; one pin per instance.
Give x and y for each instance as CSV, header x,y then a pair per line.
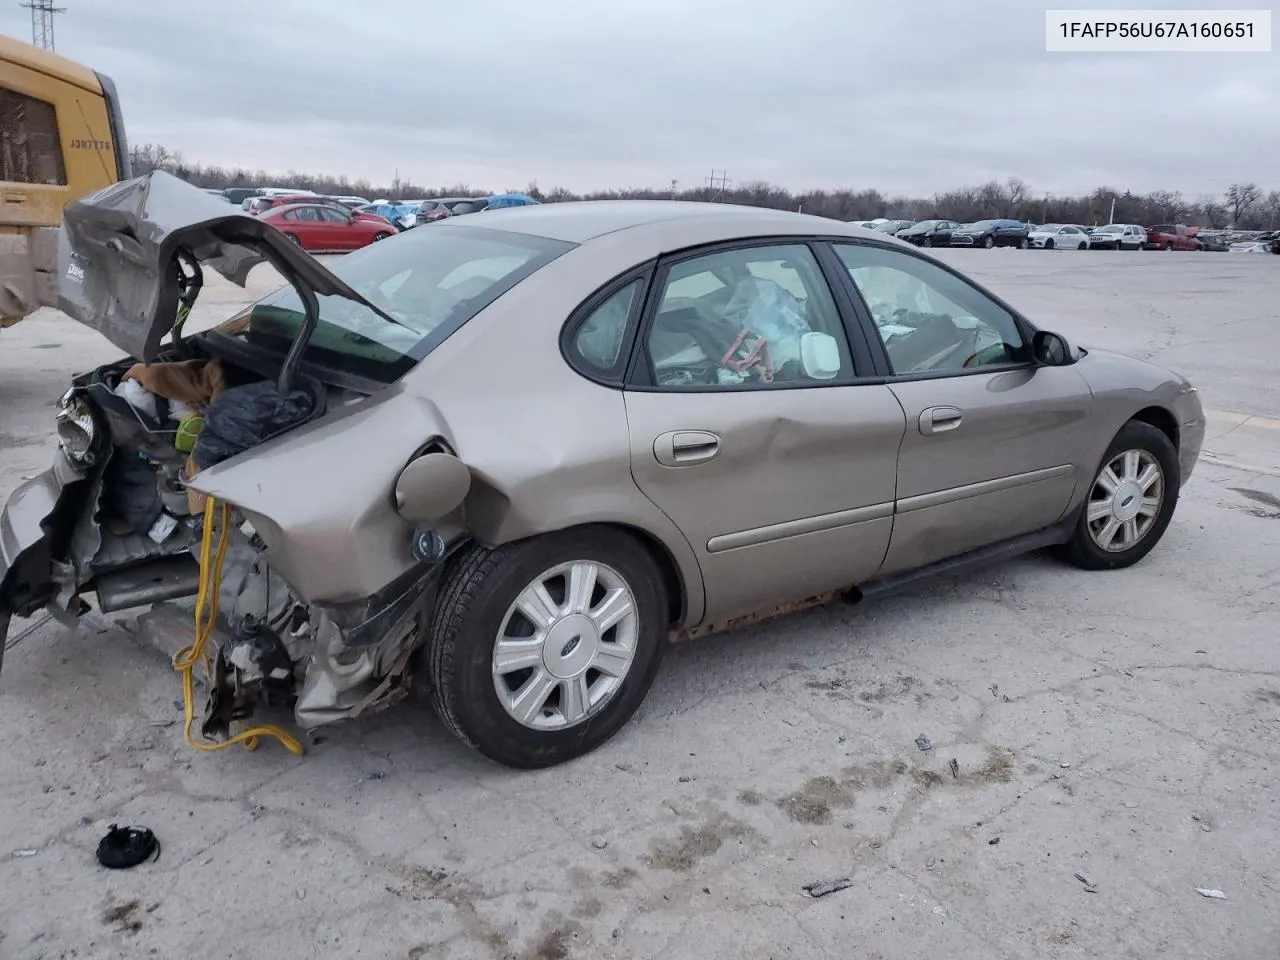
x,y
121,252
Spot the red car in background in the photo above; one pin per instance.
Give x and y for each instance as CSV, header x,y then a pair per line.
x,y
1172,236
324,228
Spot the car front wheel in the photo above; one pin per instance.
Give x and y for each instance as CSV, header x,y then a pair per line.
x,y
540,651
1130,502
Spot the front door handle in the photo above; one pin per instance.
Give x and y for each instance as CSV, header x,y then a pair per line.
x,y
683,447
939,420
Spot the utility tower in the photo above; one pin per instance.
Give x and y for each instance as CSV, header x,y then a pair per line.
x,y
718,183
42,13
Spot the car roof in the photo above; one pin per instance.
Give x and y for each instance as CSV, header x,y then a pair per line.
x,y
583,220
294,206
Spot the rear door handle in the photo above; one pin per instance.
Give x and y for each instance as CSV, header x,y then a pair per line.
x,y
939,419
683,447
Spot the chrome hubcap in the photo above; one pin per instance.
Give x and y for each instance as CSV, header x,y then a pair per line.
x,y
1125,500
565,645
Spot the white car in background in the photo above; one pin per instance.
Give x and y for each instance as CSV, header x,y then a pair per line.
x,y
1119,236
1059,236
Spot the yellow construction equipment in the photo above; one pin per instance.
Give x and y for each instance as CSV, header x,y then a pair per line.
x,y
61,137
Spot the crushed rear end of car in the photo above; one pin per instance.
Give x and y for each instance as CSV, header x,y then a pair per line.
x,y
208,467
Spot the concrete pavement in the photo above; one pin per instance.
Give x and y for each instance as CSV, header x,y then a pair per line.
x,y
1121,726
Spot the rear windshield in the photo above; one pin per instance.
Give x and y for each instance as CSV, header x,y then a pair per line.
x,y
430,282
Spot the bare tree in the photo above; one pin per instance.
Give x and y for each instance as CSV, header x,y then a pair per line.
x,y
1016,191
1241,198
1273,209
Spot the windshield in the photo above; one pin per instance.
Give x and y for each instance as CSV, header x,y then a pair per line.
x,y
1049,228
982,225
430,282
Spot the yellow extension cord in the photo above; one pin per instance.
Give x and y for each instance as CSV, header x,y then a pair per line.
x,y
186,659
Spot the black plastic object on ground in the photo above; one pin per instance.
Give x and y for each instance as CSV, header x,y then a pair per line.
x,y
125,847
243,417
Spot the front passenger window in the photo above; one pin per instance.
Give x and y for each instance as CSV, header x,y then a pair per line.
x,y
930,320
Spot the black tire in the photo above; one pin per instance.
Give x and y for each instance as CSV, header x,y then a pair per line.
x,y
380,236
1082,245
1048,244
989,242
1024,243
478,587
927,241
1082,550
1168,246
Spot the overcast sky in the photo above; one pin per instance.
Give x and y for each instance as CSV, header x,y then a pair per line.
x,y
908,96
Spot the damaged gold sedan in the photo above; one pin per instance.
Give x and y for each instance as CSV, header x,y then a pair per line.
x,y
515,454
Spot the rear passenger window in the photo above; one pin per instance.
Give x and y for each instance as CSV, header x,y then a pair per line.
x,y
30,148
598,341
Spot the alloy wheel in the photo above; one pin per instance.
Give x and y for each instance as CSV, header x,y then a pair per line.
x,y
1125,500
565,645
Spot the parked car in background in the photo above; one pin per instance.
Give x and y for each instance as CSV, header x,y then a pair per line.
x,y
287,191
1118,236
929,233
1058,236
259,205
1171,236
501,201
442,207
263,203
991,233
323,228
893,227
1266,243
239,195
1214,242
393,213
352,202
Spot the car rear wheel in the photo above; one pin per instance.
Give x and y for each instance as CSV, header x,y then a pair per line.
x,y
540,651
1082,244
1168,246
1048,244
928,241
1131,500
1024,243
989,242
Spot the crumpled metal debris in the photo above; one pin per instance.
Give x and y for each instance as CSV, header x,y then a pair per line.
x,y
924,743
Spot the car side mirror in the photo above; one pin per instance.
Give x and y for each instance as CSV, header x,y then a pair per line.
x,y
819,355
1053,349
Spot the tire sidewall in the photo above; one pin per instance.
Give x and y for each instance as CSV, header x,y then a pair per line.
x,y
483,719
1134,435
